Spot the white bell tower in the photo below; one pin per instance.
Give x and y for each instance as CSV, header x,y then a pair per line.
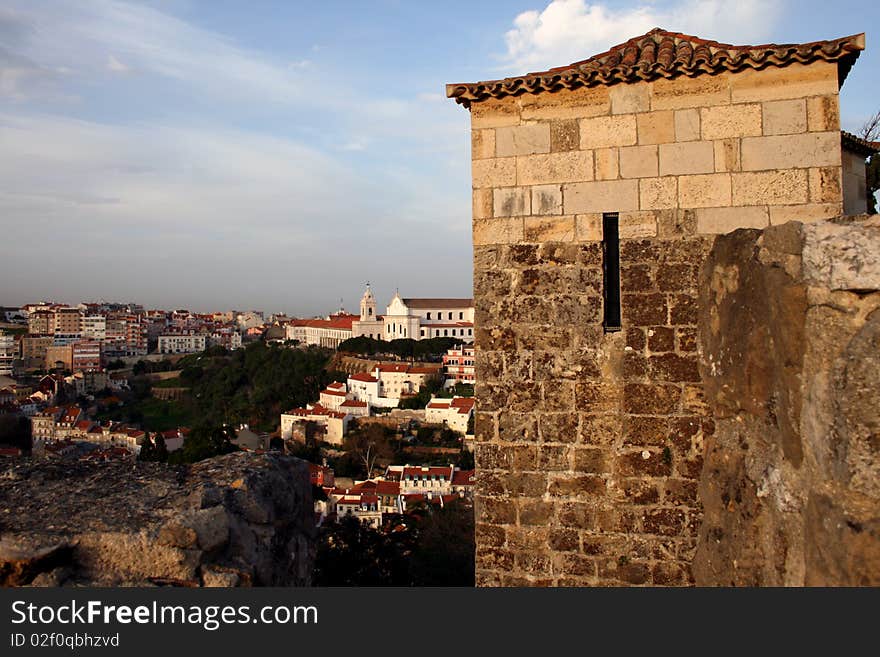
x,y
368,306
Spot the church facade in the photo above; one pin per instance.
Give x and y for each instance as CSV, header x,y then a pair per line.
x,y
416,319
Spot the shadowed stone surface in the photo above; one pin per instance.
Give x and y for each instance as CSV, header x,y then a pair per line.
x,y
790,331
235,520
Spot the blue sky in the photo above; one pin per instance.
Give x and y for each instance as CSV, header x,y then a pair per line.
x,y
278,155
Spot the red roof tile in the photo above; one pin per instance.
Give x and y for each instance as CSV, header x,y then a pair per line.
x,y
661,54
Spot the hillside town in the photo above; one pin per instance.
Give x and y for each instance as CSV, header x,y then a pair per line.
x,y
72,375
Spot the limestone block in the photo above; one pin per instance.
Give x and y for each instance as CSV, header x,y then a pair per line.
x,y
679,93
793,81
687,158
770,187
785,117
656,127
522,140
482,144
507,230
482,203
687,125
825,185
843,257
588,227
550,229
605,131
805,213
658,193
727,155
571,166
607,164
823,113
547,199
564,136
630,98
636,225
495,113
812,149
512,202
724,220
705,191
497,172
638,161
565,104
601,196
729,121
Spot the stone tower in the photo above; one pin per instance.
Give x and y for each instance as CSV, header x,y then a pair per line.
x,y
598,189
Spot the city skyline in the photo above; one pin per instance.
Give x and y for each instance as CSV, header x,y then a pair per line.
x,y
207,156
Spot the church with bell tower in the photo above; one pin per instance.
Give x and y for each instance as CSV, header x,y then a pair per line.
x,y
369,325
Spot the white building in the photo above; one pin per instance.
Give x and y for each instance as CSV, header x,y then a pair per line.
x,y
94,327
329,332
370,324
181,343
455,413
333,396
388,382
7,353
335,423
417,319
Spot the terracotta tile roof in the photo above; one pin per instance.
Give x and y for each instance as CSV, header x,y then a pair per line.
x,y
366,378
463,478
858,145
388,488
662,54
353,403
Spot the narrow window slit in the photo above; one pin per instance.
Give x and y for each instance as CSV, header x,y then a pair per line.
x,y
611,271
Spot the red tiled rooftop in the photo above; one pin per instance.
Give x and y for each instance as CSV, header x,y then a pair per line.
x,y
662,54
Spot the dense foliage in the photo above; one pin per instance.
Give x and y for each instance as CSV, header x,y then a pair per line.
x,y
435,547
15,431
404,349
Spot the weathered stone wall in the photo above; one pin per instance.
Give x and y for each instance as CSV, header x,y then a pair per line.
x,y
589,444
790,327
235,520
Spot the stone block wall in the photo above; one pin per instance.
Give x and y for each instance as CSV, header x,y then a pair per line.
x,y
589,443
790,327
764,142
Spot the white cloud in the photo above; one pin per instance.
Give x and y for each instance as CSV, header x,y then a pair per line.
x,y
116,66
567,31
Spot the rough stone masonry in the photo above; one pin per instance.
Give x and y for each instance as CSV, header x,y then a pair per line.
x,y
790,328
590,440
235,520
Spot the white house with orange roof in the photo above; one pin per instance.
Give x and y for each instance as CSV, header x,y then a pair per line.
x,y
455,413
334,423
333,396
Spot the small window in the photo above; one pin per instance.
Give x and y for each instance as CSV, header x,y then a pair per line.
x,y
428,316
611,271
